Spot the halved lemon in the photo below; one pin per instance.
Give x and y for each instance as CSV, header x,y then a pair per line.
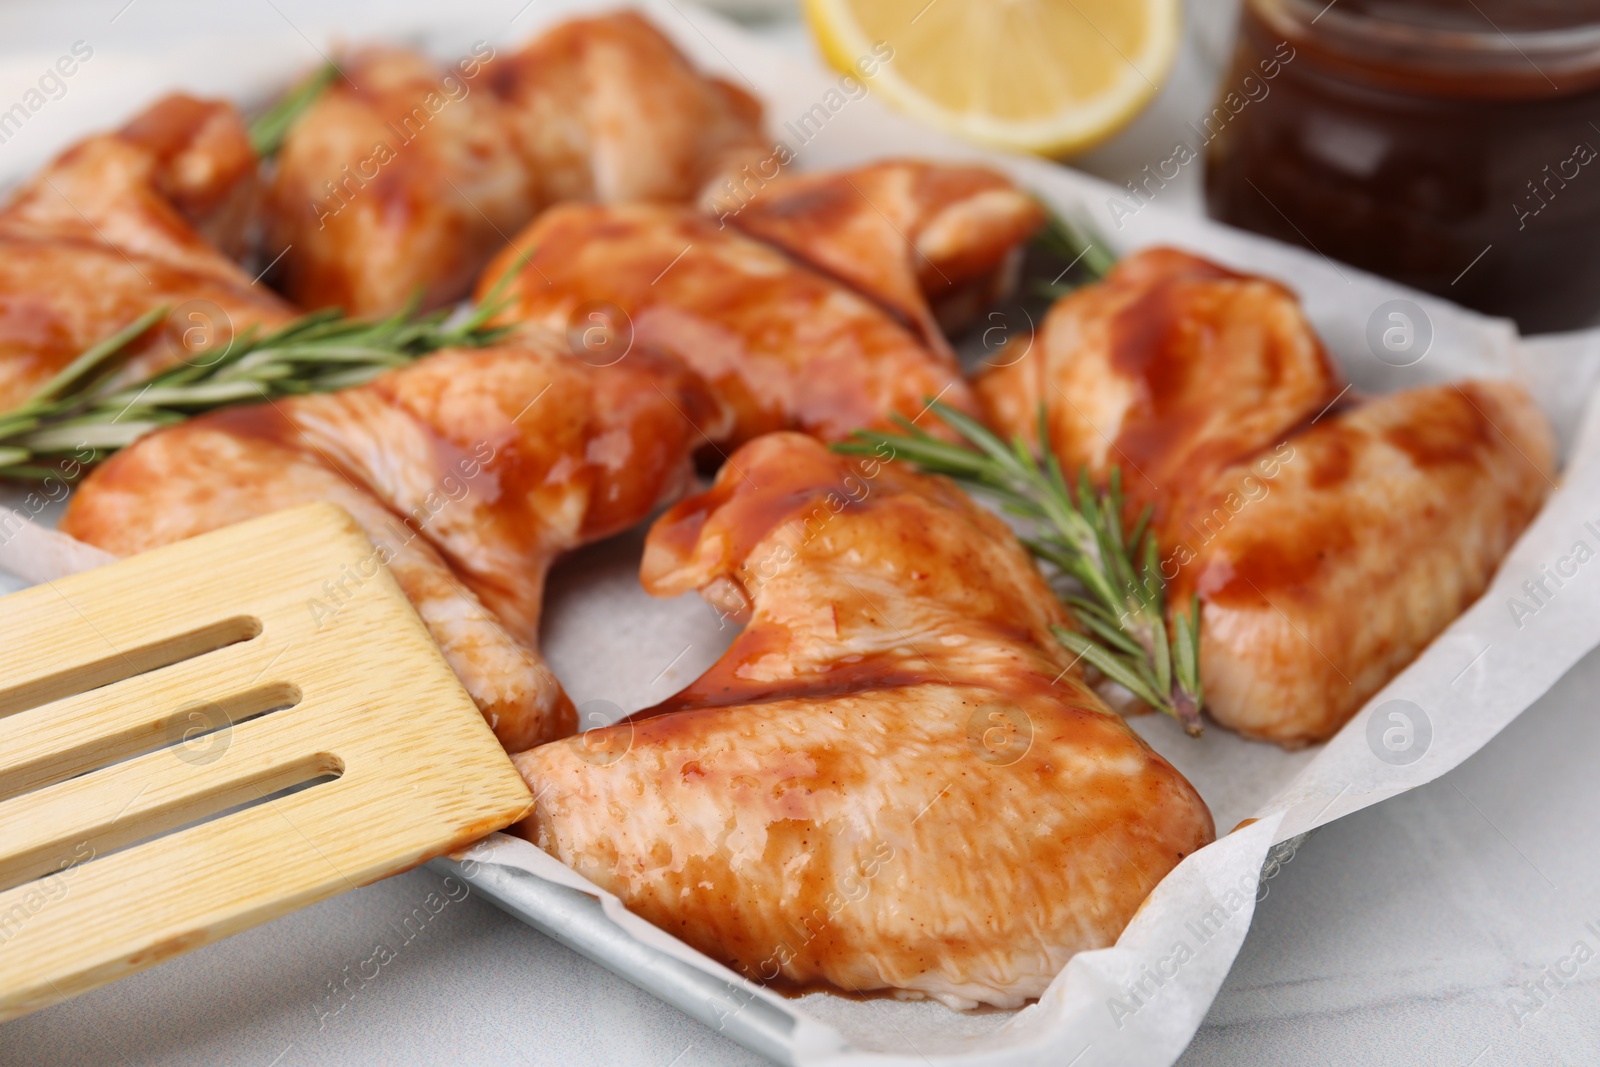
x,y
1045,76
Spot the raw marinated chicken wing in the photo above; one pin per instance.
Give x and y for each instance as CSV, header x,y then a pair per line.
x,y
608,109
401,180
1322,573
935,243
894,780
471,470
1171,369
202,164
782,346
1329,538
122,223
405,176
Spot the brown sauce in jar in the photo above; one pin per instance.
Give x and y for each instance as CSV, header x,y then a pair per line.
x,y
1452,145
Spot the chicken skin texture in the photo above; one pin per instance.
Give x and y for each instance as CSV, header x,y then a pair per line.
x,y
1329,538
1322,572
783,347
607,109
124,222
471,470
895,780
935,243
405,176
1170,369
401,180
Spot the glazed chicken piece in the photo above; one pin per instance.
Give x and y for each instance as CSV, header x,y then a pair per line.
x,y
782,346
935,243
1321,578
1170,369
1329,539
894,780
405,176
124,222
607,109
471,470
401,180
202,164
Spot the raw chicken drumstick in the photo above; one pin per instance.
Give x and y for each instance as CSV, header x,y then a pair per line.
x,y
1328,537
894,779
471,469
125,222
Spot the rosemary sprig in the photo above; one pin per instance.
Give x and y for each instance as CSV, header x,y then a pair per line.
x,y
85,413
1076,244
1119,594
272,125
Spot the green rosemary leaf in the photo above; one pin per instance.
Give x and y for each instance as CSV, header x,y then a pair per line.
x,y
96,360
1187,650
309,352
1119,594
930,452
18,422
1077,242
349,379
1051,291
85,413
204,397
974,431
270,128
1111,634
96,435
1160,651
1111,666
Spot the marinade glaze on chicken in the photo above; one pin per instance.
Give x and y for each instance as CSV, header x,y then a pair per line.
x,y
895,779
1330,537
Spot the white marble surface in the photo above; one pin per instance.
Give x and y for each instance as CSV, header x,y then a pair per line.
x,y
1404,934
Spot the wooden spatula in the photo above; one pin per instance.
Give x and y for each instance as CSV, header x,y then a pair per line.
x,y
206,736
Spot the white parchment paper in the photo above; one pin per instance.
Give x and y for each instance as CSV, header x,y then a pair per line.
x,y
616,650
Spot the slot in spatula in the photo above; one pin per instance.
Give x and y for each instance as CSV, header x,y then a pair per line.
x,y
206,736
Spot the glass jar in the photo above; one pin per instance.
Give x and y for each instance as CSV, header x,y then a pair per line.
x,y
1453,145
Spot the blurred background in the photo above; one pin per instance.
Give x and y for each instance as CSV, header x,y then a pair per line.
x,y
1441,143
1184,94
